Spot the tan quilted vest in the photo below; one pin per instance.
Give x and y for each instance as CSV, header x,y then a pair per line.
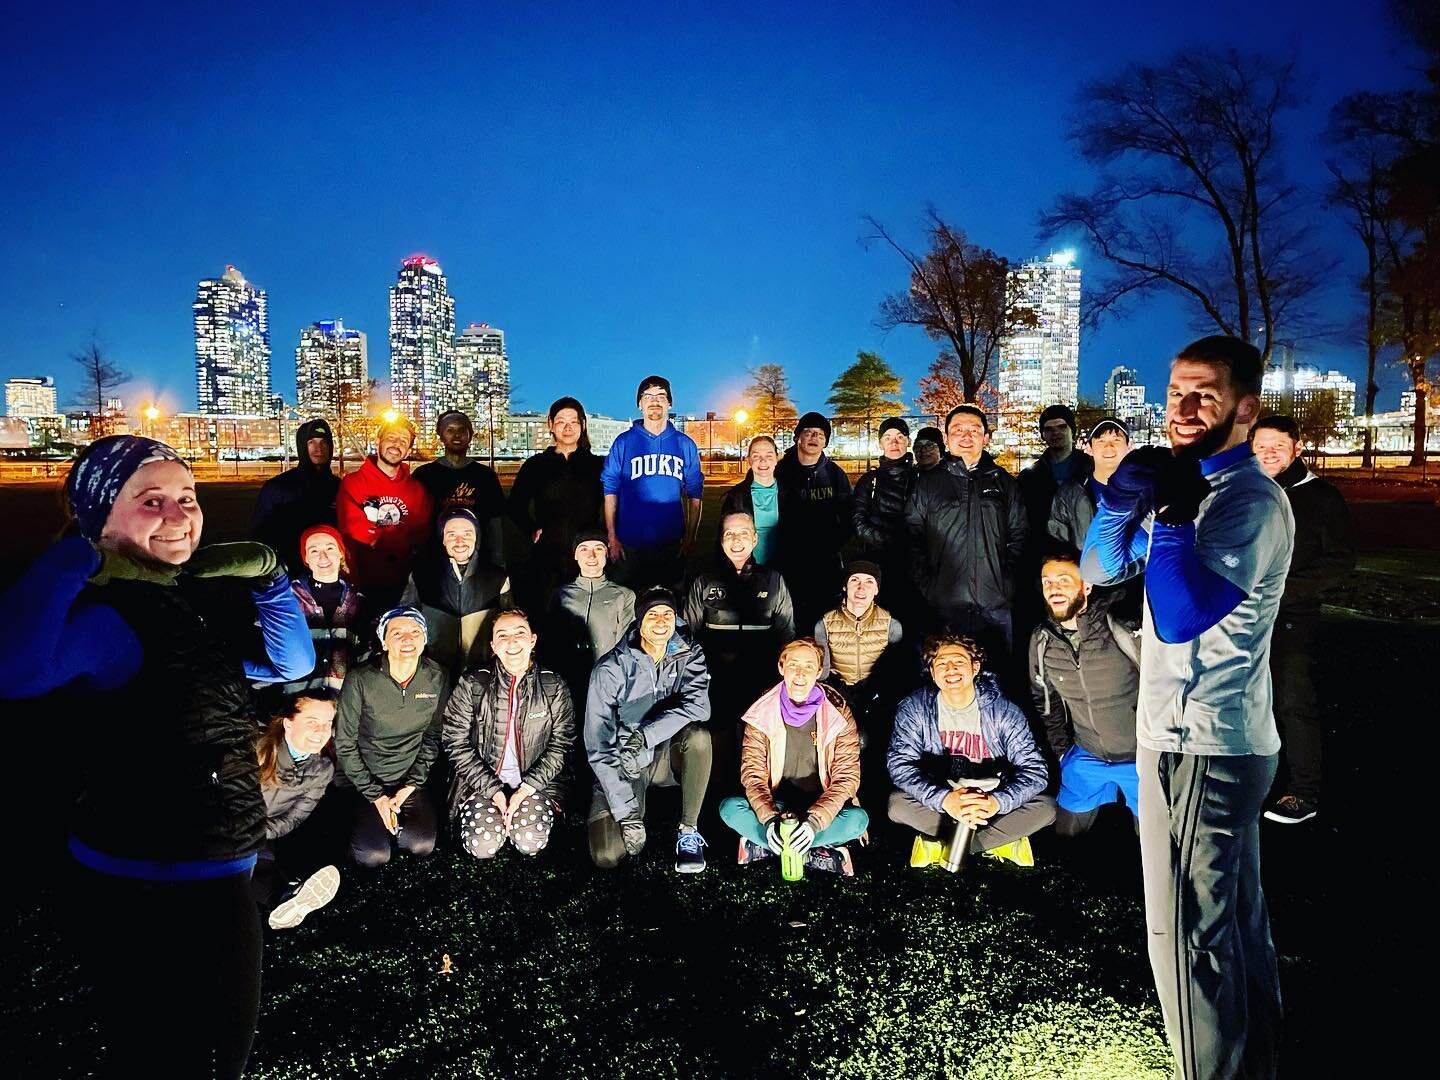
x,y
855,644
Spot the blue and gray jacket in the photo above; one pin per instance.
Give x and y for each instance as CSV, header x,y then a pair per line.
x,y
1006,733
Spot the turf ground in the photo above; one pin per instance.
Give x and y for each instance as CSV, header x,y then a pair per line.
x,y
563,971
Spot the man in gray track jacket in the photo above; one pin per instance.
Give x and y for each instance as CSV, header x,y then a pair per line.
x,y
645,716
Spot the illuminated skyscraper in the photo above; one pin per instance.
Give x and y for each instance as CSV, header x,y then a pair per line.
x,y
332,379
232,346
30,397
1120,376
482,372
1040,365
422,343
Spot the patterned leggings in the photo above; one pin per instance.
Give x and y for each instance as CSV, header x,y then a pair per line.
x,y
482,827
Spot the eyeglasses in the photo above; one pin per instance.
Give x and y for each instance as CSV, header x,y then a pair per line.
x,y
659,396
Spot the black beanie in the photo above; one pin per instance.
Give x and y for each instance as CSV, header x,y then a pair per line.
x,y
654,380
862,566
895,423
590,536
815,420
1058,412
656,597
930,434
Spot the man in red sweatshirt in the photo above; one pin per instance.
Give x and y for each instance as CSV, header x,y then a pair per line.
x,y
384,514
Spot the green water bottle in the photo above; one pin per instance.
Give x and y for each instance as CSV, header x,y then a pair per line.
x,y
792,863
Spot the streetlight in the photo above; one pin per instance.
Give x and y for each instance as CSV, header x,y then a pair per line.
x,y
151,415
741,416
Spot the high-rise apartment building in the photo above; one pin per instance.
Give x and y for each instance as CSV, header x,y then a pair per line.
x,y
332,379
1119,376
30,397
1040,365
422,343
232,346
482,375
1294,390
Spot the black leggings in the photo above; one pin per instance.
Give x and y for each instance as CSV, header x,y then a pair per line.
x,y
175,969
371,844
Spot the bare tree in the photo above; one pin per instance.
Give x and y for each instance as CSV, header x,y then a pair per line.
x,y
1192,197
961,294
99,379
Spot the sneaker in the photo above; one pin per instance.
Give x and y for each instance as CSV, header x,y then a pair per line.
x,y
1292,810
925,852
752,852
317,891
832,860
1017,851
689,852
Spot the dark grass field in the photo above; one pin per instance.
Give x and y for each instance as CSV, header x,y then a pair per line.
x,y
560,970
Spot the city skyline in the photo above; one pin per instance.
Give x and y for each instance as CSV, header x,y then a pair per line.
x,y
621,195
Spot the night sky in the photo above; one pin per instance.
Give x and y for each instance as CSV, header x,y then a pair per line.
x,y
676,190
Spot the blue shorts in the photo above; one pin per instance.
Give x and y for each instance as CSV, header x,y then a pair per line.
x,y
1088,782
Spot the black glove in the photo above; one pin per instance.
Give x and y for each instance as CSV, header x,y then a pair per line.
x,y
632,833
241,559
1180,488
1131,488
631,757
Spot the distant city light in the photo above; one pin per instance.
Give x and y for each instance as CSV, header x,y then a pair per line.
x,y
1063,258
390,416
152,413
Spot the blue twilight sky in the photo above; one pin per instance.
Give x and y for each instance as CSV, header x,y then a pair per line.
x,y
674,187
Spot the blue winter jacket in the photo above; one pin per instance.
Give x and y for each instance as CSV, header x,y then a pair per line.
x,y
1004,728
630,692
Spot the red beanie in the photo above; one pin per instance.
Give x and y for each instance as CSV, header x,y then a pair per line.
x,y
326,530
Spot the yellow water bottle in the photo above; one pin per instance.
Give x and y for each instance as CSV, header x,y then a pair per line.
x,y
792,863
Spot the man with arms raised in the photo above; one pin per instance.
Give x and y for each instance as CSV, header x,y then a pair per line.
x,y
1219,538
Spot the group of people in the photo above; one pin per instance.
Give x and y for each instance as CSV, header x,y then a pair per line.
x,y
407,679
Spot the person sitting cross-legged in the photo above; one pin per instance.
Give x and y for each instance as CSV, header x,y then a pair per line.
x,y
645,715
800,759
387,738
960,728
508,729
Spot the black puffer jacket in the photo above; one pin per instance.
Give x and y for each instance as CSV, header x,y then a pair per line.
x,y
967,530
299,786
879,512
185,722
1038,487
476,718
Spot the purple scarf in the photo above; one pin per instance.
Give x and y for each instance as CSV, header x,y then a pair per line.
x,y
798,715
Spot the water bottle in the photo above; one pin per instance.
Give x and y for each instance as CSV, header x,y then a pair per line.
x,y
958,846
792,863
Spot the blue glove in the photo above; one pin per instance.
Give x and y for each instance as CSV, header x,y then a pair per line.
x,y
1131,489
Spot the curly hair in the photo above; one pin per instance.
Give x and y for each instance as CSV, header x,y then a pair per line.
x,y
935,642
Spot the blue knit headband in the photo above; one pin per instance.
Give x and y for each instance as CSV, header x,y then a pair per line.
x,y
95,482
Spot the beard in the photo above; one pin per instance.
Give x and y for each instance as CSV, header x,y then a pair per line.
x,y
1212,440
1073,608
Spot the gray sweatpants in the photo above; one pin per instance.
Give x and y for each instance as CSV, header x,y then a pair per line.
x,y
1208,929
1025,820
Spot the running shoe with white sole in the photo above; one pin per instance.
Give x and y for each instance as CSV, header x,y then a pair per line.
x,y
689,851
316,891
1292,810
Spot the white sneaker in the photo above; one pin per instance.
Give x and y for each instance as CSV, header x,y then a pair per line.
x,y
317,891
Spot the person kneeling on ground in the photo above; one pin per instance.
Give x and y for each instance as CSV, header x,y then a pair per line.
x,y
589,616
857,642
294,775
1085,680
508,729
387,738
801,760
645,716
963,724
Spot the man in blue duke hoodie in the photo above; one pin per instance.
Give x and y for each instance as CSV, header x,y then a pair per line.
x,y
653,485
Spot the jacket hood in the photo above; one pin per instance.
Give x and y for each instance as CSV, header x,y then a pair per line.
x,y
639,426
317,428
952,462
402,472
